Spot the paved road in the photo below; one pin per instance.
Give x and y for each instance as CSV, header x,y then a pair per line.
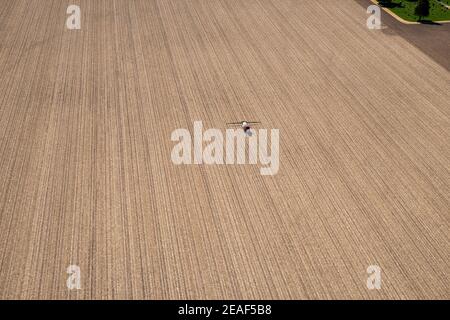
x,y
432,39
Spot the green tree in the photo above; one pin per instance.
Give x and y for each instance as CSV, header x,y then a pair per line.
x,y
422,9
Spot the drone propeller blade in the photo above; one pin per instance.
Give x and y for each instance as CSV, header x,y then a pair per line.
x,y
242,122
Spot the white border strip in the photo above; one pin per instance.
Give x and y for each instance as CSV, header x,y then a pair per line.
x,y
401,19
